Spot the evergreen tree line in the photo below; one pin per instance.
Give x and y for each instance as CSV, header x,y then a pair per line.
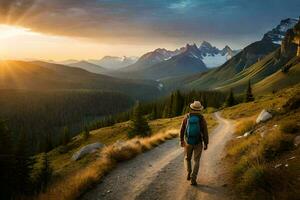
x,y
177,103
21,175
42,116
231,100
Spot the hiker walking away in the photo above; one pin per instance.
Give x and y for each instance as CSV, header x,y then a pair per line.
x,y
194,138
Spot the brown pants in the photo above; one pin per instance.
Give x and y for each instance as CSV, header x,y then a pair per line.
x,y
195,151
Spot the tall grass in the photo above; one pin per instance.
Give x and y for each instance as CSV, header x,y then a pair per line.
x,y
244,125
73,186
251,157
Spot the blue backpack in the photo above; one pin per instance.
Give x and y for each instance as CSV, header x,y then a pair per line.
x,y
193,133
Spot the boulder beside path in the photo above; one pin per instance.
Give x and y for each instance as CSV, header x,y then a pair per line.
x,y
263,116
91,148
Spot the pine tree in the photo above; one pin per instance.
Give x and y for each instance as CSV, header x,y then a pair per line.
x,y
230,101
249,96
65,136
86,133
177,104
154,113
139,123
6,163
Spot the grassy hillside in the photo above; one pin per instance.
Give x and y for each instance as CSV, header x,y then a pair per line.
x,y
279,80
248,56
265,164
47,76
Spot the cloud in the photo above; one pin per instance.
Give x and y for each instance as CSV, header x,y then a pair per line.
x,y
181,5
155,21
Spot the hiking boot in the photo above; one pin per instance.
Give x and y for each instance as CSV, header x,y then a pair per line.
x,y
193,182
188,176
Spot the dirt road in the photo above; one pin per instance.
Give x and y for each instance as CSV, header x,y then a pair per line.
x,y
160,174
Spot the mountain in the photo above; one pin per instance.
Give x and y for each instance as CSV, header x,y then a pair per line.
x,y
186,63
89,67
64,62
277,34
268,65
247,57
40,75
211,56
152,58
214,57
114,62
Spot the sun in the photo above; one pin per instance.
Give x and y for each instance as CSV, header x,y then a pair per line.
x,y
8,31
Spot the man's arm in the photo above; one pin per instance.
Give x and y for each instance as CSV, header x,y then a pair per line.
x,y
204,132
182,129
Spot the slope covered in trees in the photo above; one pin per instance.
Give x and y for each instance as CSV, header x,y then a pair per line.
x,y
43,115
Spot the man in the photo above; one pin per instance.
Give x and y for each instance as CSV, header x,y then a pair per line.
x,y
193,137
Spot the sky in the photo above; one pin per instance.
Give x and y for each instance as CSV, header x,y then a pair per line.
x,y
90,29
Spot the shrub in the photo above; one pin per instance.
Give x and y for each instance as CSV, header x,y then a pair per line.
x,y
242,165
254,178
275,144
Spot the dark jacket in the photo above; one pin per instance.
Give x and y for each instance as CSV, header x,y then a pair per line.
x,y
203,128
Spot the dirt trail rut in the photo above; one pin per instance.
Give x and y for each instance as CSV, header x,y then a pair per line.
x,y
160,174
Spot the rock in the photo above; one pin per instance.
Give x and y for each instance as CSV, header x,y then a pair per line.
x,y
291,158
247,134
297,140
91,148
278,165
286,165
263,116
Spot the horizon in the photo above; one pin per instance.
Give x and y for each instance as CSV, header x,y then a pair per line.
x,y
64,30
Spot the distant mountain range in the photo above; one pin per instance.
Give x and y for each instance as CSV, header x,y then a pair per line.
x,y
114,62
109,63
190,67
38,75
94,68
267,64
162,63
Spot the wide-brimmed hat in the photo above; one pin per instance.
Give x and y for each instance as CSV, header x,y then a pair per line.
x,y
196,106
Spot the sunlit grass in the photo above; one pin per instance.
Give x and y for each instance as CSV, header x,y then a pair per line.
x,y
74,177
72,186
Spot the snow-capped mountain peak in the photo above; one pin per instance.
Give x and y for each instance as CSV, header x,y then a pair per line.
x,y
277,34
192,51
212,56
